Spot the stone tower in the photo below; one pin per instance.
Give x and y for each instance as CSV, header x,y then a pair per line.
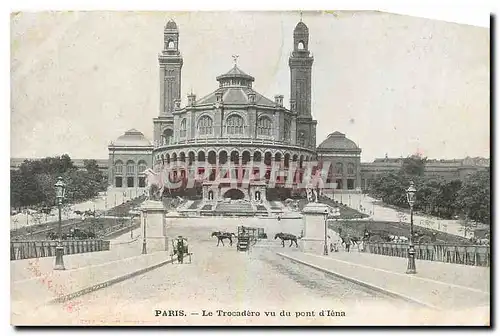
x,y
300,63
170,61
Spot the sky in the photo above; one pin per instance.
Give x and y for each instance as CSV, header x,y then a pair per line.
x,y
394,84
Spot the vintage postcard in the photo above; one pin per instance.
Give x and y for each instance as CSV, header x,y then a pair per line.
x,y
315,168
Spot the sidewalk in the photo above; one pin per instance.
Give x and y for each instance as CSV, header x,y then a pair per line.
x,y
436,285
34,283
22,270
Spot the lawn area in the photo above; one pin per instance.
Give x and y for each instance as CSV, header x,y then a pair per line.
x,y
357,228
101,226
123,209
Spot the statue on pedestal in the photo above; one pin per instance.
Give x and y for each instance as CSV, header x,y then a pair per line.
x,y
154,185
312,195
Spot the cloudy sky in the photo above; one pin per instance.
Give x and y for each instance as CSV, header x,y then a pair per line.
x,y
394,84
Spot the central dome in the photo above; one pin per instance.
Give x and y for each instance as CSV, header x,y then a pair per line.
x,y
235,73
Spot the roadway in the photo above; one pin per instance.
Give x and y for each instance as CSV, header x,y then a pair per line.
x,y
220,278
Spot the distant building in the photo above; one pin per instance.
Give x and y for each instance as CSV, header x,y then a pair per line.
x,y
447,169
342,156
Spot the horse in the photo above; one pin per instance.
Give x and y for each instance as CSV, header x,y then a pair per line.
x,y
51,235
154,184
287,236
223,235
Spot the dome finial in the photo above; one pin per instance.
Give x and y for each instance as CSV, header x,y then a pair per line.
x,y
235,59
301,16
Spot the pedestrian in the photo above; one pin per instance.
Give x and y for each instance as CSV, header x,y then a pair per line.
x,y
348,243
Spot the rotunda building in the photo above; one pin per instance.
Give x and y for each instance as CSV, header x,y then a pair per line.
x,y
234,125
131,155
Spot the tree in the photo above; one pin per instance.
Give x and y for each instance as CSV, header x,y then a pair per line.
x,y
436,196
414,165
466,226
474,197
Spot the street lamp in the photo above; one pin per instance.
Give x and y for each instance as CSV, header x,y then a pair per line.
x,y
325,250
60,191
144,251
131,226
410,196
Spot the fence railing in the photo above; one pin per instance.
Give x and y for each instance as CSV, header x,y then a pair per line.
x,y
47,248
474,255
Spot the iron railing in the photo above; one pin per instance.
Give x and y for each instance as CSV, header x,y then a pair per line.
x,y
474,255
47,248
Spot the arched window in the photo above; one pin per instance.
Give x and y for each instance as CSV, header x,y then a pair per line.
x,y
167,137
142,166
234,125
286,131
264,126
130,168
205,125
301,45
302,138
339,168
170,45
350,169
118,167
183,128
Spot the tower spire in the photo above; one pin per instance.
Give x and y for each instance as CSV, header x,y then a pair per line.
x,y
301,16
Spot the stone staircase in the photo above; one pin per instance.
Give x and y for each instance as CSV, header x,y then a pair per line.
x,y
234,209
276,208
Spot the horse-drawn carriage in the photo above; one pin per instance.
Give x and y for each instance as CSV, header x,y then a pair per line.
x,y
248,236
180,248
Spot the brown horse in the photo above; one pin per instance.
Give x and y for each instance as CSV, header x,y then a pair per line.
x,y
223,235
287,236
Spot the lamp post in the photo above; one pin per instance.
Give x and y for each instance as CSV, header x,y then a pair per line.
x,y
131,226
144,251
410,196
325,249
60,191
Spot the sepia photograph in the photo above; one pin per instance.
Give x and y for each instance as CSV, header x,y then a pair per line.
x,y
249,168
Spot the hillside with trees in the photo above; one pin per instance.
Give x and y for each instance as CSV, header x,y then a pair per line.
x,y
33,183
436,196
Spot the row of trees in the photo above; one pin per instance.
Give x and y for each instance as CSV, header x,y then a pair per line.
x,y
33,183
443,198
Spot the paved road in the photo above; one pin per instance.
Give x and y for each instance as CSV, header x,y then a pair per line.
x,y
222,278
382,213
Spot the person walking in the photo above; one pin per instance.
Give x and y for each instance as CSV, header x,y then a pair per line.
x,y
361,246
348,243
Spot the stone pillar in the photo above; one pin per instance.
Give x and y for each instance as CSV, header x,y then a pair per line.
x,y
314,228
153,218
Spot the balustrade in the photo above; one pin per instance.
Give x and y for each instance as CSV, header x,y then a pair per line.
x,y
47,248
475,255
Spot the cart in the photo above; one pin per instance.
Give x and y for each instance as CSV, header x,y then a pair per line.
x,y
180,249
248,236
